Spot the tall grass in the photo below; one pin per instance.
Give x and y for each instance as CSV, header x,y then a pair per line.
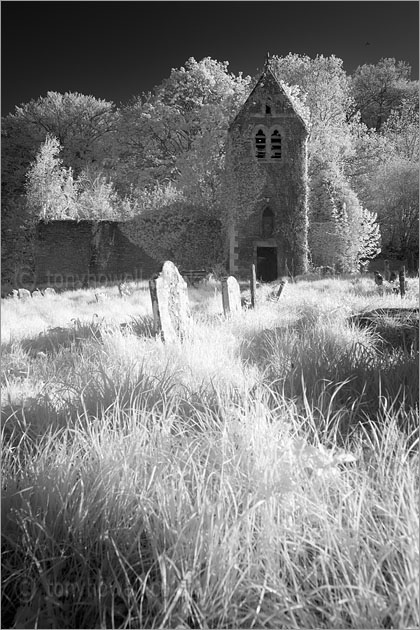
x,y
263,474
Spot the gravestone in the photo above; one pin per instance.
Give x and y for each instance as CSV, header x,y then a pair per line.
x,y
171,311
281,288
231,296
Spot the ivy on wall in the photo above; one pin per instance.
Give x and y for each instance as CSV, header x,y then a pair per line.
x,y
178,232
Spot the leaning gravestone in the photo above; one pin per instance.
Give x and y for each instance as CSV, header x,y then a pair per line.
x,y
171,312
231,295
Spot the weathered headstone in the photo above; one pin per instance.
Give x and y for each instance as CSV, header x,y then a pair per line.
x,y
231,295
275,294
253,287
171,311
281,288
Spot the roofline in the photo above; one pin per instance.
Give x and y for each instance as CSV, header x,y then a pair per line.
x,y
263,74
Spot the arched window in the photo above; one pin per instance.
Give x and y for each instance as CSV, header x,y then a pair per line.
x,y
260,144
267,223
276,144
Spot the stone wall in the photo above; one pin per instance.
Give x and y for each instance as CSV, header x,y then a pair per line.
x,y
71,254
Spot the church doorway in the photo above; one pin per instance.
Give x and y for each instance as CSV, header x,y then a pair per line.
x,y
267,264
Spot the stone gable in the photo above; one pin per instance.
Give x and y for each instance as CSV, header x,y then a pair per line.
x,y
266,163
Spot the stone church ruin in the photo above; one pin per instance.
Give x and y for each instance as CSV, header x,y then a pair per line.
x,y
266,163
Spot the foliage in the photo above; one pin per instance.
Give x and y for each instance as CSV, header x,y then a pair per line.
x,y
370,237
51,191
402,131
167,226
243,182
324,88
379,89
395,188
342,233
384,171
80,123
186,118
54,194
98,200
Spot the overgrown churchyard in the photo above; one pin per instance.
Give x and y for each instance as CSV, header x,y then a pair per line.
x,y
210,353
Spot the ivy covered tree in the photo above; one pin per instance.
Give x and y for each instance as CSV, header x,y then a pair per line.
x,y
342,233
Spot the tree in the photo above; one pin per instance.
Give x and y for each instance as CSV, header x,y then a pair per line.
x,y
370,238
379,89
54,194
187,115
51,190
384,171
97,199
395,197
342,234
325,91
80,123
402,130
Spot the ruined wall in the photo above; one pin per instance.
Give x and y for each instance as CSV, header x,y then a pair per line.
x,y
71,254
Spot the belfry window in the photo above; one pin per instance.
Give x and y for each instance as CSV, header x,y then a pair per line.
x,y
260,144
268,108
267,223
276,144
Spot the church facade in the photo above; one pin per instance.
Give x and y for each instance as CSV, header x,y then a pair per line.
x,y
266,162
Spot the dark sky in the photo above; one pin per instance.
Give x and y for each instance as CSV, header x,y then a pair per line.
x,y
114,50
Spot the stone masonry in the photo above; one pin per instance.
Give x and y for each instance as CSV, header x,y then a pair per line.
x,y
267,143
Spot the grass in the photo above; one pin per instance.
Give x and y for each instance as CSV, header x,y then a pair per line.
x,y
263,474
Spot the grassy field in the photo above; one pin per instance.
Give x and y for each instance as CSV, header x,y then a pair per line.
x,y
263,474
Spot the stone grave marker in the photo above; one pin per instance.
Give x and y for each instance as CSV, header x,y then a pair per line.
x,y
171,311
231,296
281,288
